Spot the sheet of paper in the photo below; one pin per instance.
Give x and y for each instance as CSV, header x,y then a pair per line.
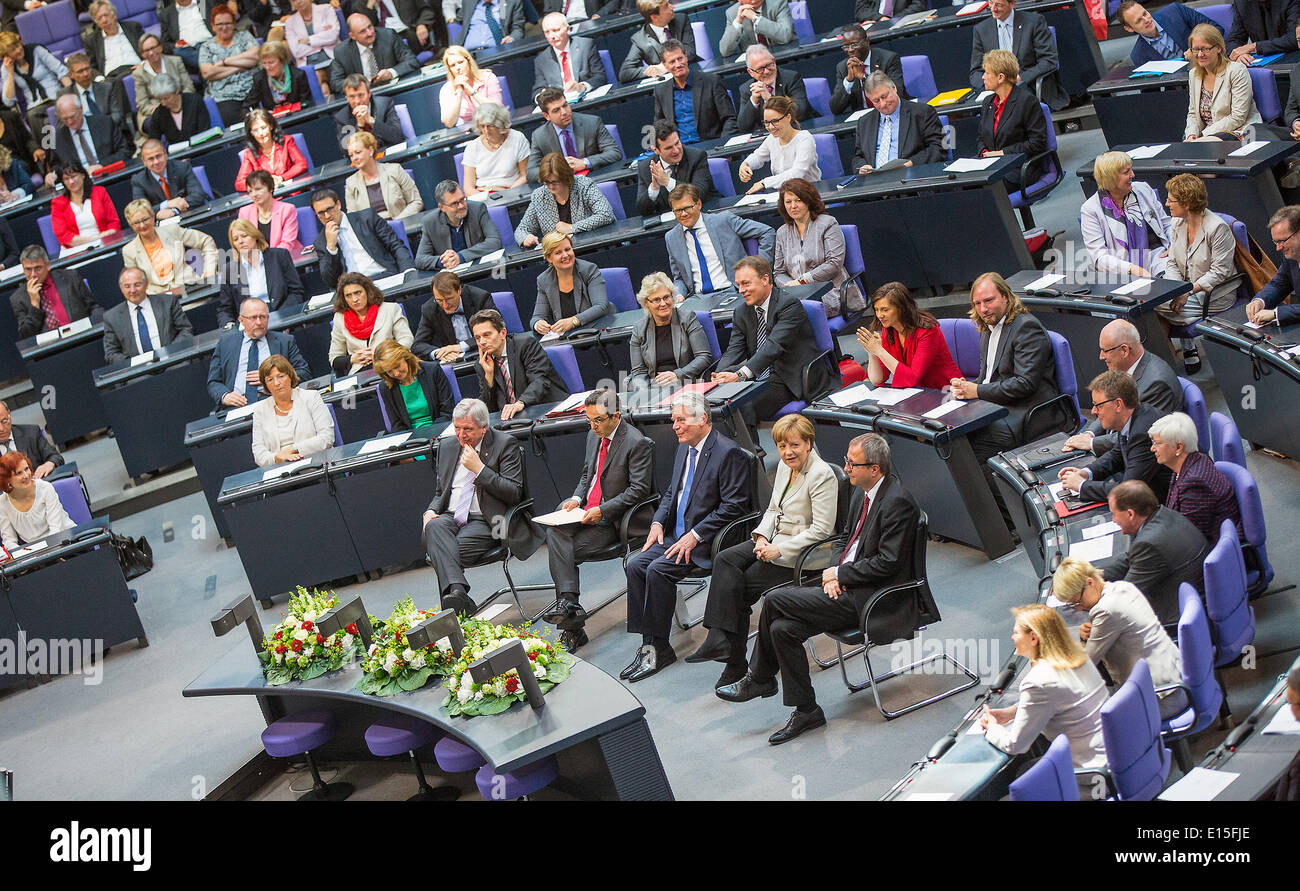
x,y
320,301
984,94
891,395
832,39
449,432
1147,151
142,359
1107,528
31,549
1093,549
390,281
492,257
1248,149
549,337
970,8
384,443
858,114
1161,66
242,411
1283,722
1256,326
599,91
81,248
970,165
739,140
757,198
932,796
47,337
943,408
1294,351
1057,489
561,517
1136,285
1199,785
1045,281
573,403
851,396
395,148
669,217
346,383
285,469
76,327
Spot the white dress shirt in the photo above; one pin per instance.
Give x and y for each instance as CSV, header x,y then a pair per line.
x,y
255,276
995,340
459,480
355,255
190,24
745,373
717,272
146,309
118,52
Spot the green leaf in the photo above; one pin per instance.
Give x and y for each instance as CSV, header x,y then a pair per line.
x,y
315,670
277,676
493,705
391,688
414,680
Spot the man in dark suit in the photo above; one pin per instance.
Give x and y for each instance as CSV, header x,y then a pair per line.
x,y
704,248
460,232
142,323
1115,404
881,525
443,333
860,59
768,81
673,163
662,22
90,143
695,101
185,45
1166,549
378,53
883,10
46,298
1026,34
1262,28
912,132
582,138
1284,230
161,176
477,18
1162,34
232,377
111,44
1158,386
377,115
772,340
617,475
360,241
190,106
569,63
710,487
102,97
30,441
480,477
757,21
513,370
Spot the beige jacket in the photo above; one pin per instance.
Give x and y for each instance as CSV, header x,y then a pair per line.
x,y
390,325
313,426
1232,105
176,240
805,514
400,194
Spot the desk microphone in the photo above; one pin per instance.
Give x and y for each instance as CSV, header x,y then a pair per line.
x,y
942,745
999,683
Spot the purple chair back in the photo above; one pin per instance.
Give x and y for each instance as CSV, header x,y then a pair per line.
x,y
1130,727
308,227
703,45
1238,229
128,84
720,170
819,94
1259,572
507,100
338,431
1225,441
705,318
400,228
450,373
1231,618
302,147
459,160
1197,655
46,226
201,174
611,76
918,77
383,409
1194,405
566,363
453,31
142,11
313,86
1264,83
609,189
618,287
34,27
214,113
803,27
963,343
501,217
1065,381
828,156
73,498
404,121
64,28
505,302
1051,779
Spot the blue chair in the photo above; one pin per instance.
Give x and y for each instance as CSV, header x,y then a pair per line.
x,y
508,101
398,734
383,411
201,174
1051,779
943,122
142,12
1065,405
618,287
819,94
826,344
301,142
1137,758
1254,550
613,131
963,341
1203,693
308,227
338,431
128,84
501,219
703,46
299,734
566,363
518,783
611,76
803,27
72,495
52,246
400,228
450,373
1232,620
609,189
918,77
856,268
720,171
404,121
214,114
505,303
1031,193
453,31
1194,405
459,160
1265,86
828,156
1225,441
314,87
705,318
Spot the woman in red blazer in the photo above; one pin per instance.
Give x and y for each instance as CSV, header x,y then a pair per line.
x,y
906,342
64,208
269,149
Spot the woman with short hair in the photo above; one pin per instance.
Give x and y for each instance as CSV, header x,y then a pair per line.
x,y
1125,227
810,247
415,394
292,423
277,220
669,346
498,159
155,63
84,212
1199,490
277,82
29,508
268,148
570,292
1011,118
363,320
387,189
161,253
255,269
567,205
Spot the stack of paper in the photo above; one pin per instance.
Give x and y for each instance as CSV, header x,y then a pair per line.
x,y
1160,66
943,408
1136,285
1147,151
970,165
1045,281
1248,149
891,395
851,396
572,405
599,91
384,443
739,140
561,517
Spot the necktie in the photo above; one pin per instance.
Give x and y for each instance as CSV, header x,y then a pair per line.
x,y
505,376
382,12
887,8
862,521
90,103
167,190
761,338
372,66
52,320
570,148
250,390
593,499
493,25
1004,36
86,147
146,342
706,283
680,528
564,66
886,137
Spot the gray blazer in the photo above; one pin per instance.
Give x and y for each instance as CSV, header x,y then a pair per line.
x,y
481,236
627,477
823,251
119,332
1024,373
1124,630
590,210
499,485
1207,262
691,352
593,143
1167,551
583,61
774,23
589,297
727,232
401,197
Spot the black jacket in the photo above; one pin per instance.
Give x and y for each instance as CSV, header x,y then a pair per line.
x,y
180,179
93,41
390,52
920,135
869,10
111,99
194,119
788,83
8,245
1131,460
884,551
1024,374
377,239
299,90
437,392
481,236
534,378
1035,50
714,114
386,129
76,298
119,331
436,331
1270,26
789,349
283,285
1022,128
843,101
108,140
1167,551
693,169
33,443
499,485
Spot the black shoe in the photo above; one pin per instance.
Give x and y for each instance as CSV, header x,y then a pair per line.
x,y
731,674
798,723
746,689
634,664
1191,361
715,648
456,599
573,618
572,639
653,660
563,606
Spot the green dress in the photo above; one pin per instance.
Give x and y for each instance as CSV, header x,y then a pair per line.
x,y
417,407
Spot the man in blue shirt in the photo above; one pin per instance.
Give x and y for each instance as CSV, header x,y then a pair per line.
x,y
1162,35
696,101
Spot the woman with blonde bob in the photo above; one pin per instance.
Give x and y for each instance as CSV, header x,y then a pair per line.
x,y
669,345
253,268
570,292
416,394
387,189
1122,628
1060,692
1125,227
291,423
466,88
1221,99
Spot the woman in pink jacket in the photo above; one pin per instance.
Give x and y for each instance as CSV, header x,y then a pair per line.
x,y
312,32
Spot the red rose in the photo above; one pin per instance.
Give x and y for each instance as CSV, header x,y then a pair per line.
x,y
532,657
279,634
296,646
512,684
319,639
352,629
279,648
307,626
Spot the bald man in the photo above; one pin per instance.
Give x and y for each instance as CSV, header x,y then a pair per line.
x,y
90,143
378,53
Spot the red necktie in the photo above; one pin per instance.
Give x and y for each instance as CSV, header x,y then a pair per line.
x,y
593,499
167,191
505,373
866,507
564,66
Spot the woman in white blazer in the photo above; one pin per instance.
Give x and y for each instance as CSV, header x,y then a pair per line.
x,y
1060,692
1121,629
1125,227
1220,97
386,189
160,253
29,508
314,49
802,511
290,423
362,321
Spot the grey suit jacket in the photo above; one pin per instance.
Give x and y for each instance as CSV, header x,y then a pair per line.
x,y
584,62
32,442
627,478
727,231
1024,373
589,298
920,136
1158,387
775,24
645,47
1035,49
512,19
1167,551
119,332
500,484
594,143
691,353
481,236
391,51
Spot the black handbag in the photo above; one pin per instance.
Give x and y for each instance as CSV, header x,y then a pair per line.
x,y
135,557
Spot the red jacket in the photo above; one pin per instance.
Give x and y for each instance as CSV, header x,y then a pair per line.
x,y
286,163
64,221
923,359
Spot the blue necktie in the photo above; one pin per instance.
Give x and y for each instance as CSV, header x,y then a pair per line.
x,y
704,267
91,104
493,25
760,336
146,342
680,529
250,390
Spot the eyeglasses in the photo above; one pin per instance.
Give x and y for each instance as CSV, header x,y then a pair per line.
x,y
1105,350
1204,50
1097,405
678,211
848,463
551,182
772,122
654,301
1280,243
770,66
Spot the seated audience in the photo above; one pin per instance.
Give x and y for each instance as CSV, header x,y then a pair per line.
x,y
87,142
154,64
904,343
768,81
860,61
757,21
178,116
567,205
366,112
268,148
1221,98
662,23
84,212
294,423
460,232
47,299
490,24
377,53
387,189
703,249
161,253
18,152
141,324
570,63
1161,35
1165,548
884,10
170,187
466,88
580,139
29,507
184,27
30,440
277,82
1115,404
810,248
673,163
696,101
910,132
498,159
1201,247
415,394
235,373
312,33
513,370
1261,29
363,319
1199,490
1267,306
276,220
1125,228
1121,349
111,44
255,269
790,151
226,64
31,77
99,97
359,241
1011,120
669,345
1027,36
570,293
443,333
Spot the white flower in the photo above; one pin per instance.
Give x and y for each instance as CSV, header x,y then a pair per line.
x,y
390,662
300,634
466,680
418,661
478,696
310,615
465,694
539,671
408,654
444,645
453,682
292,620
279,657
347,640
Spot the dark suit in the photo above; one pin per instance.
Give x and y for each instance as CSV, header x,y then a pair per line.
x,y
481,236
789,83
789,349
843,101
1177,21
33,443
377,239
283,285
93,41
511,14
77,300
920,136
180,179
693,169
299,90
1158,387
1035,49
532,376
1130,458
8,245
714,115
590,137
626,479
1281,286
436,329
1271,26
437,392
120,326
791,615
107,139
719,494
411,12
225,373
1022,128
1024,374
390,52
1167,551
584,65
869,10
112,100
644,50
194,119
499,487
386,129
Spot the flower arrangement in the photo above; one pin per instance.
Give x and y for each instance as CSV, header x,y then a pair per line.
x,y
295,651
551,665
391,666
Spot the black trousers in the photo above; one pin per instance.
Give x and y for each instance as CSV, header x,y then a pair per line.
x,y
773,398
789,617
986,442
451,547
652,590
739,578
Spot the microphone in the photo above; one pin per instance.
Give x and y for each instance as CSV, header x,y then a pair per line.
x,y
942,745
